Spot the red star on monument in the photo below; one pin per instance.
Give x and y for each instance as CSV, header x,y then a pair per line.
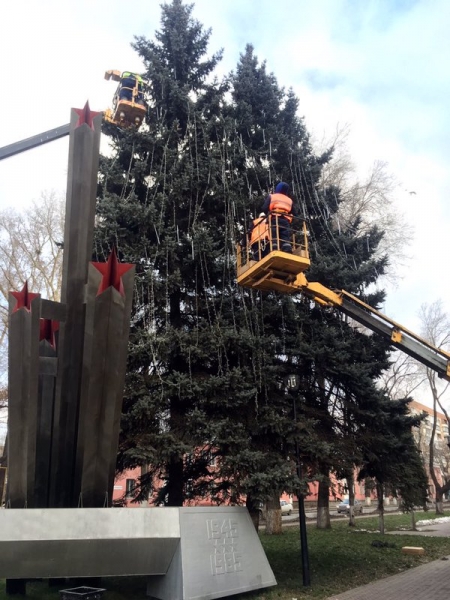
x,y
47,330
85,115
24,298
112,272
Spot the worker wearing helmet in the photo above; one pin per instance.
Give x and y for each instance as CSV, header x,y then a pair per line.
x,y
280,208
128,82
259,237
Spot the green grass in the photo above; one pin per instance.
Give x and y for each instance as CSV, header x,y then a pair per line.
x,y
340,559
343,558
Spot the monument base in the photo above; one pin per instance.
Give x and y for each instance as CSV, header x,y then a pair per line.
x,y
219,555
188,553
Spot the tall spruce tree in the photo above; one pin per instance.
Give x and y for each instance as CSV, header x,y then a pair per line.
x,y
197,365
208,362
163,205
317,345
266,137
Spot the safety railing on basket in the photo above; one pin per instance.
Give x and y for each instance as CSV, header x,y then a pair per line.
x,y
273,233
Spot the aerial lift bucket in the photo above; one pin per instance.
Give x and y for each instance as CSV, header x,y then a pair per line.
x,y
263,266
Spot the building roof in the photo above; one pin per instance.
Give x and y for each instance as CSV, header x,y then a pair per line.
x,y
419,407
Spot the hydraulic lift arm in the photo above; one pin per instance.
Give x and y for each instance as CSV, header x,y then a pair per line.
x,y
434,358
34,141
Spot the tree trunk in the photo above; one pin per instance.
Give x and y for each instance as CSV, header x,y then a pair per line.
x,y
2,484
437,486
380,495
175,466
253,508
3,463
4,457
175,482
351,500
413,521
273,515
439,501
144,471
368,487
323,506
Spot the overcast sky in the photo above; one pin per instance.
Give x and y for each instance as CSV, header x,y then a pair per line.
x,y
381,66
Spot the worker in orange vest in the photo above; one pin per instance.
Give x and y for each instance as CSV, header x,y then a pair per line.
x,y
280,208
259,237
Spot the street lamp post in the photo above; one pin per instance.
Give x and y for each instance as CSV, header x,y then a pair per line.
x,y
293,385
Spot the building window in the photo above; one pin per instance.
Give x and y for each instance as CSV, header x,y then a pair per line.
x,y
211,459
130,486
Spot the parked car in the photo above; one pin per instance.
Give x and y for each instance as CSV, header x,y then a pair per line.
x,y
344,507
286,507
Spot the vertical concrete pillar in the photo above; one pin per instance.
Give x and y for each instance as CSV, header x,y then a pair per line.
x,y
46,404
23,365
108,308
78,240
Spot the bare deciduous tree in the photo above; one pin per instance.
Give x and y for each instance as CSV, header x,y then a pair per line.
x,y
30,250
442,459
436,329
368,200
403,377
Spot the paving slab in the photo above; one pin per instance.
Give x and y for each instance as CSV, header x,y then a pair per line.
x,y
427,582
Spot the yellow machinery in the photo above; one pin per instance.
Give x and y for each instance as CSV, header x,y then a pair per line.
x,y
129,108
262,266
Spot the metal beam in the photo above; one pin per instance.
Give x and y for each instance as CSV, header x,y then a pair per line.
x,y
427,355
34,141
407,341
